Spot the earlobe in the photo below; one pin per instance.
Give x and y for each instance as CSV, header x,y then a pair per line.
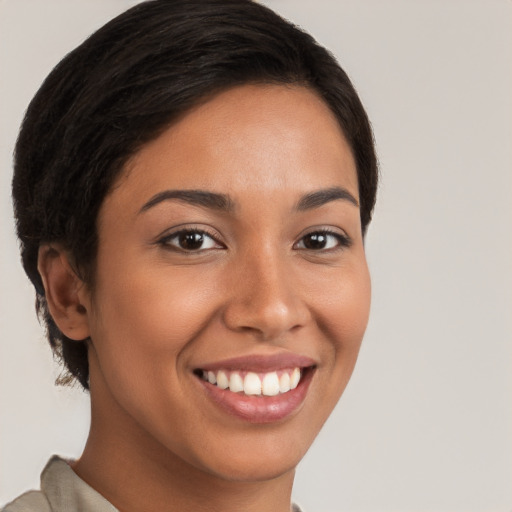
x,y
62,287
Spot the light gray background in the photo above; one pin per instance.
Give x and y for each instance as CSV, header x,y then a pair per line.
x,y
426,422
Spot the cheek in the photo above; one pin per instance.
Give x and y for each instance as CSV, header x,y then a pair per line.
x,y
355,306
145,319
344,306
143,326
153,307
341,312
343,317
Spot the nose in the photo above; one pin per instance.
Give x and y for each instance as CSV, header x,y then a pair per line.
x,y
265,299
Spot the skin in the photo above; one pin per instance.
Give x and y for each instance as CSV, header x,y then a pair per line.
x,y
156,313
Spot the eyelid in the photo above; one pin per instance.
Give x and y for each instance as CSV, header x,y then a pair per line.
x,y
344,240
164,238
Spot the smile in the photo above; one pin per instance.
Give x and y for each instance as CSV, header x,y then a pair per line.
x,y
258,389
253,383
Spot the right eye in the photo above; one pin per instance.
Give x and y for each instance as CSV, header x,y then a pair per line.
x,y
190,240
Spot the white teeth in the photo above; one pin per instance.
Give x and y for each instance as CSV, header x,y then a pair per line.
x,y
222,380
295,378
270,384
267,384
252,384
236,384
284,382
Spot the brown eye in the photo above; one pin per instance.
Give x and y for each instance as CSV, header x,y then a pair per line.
x,y
190,241
315,241
322,240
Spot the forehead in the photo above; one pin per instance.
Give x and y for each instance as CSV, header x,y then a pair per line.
x,y
262,139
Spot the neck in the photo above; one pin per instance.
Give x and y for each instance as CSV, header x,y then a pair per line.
x,y
135,472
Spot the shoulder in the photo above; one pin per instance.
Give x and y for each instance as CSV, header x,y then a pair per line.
x,y
62,490
31,501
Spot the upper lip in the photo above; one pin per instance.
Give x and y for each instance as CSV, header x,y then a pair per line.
x,y
261,363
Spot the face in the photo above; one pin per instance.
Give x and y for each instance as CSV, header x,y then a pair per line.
x,y
232,289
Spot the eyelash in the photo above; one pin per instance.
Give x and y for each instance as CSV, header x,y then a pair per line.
x,y
165,241
342,241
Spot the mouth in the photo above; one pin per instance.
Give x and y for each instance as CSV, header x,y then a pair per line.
x,y
258,389
254,383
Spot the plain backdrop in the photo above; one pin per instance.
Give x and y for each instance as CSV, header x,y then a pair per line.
x,y
426,422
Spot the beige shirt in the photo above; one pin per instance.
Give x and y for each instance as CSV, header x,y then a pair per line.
x,y
62,490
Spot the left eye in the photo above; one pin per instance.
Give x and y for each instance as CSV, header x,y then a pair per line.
x,y
188,240
322,240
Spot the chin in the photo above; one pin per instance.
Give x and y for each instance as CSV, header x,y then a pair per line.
x,y
257,469
255,458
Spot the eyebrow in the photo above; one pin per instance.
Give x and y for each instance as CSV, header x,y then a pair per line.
x,y
223,202
321,197
203,198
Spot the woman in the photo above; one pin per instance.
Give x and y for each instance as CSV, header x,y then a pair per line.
x,y
192,187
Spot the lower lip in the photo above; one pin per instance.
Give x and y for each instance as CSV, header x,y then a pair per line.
x,y
260,408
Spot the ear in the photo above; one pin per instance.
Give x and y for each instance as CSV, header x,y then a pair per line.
x,y
63,289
